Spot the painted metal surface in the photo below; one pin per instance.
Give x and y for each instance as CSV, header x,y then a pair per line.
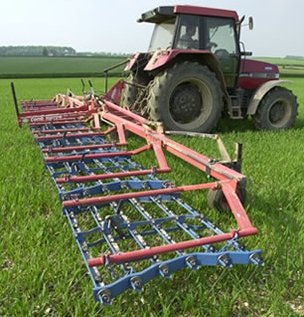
x,y
260,93
254,74
204,11
130,225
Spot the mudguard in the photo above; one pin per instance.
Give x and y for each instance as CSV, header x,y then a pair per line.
x,y
260,93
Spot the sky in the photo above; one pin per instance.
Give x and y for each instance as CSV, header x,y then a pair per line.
x,y
110,26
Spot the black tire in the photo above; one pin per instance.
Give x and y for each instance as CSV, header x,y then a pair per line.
x,y
187,97
216,199
130,91
277,110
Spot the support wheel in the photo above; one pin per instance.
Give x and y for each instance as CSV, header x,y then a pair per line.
x,y
277,110
186,96
216,199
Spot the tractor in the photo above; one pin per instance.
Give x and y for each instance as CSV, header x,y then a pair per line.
x,y
196,71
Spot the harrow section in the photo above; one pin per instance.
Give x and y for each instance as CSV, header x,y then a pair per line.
x,y
130,224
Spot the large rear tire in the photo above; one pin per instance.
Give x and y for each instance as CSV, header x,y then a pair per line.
x,y
187,96
277,110
130,91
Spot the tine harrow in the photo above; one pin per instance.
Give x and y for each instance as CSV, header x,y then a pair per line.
x,y
130,224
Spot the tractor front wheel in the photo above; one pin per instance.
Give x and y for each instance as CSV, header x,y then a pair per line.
x,y
186,96
277,110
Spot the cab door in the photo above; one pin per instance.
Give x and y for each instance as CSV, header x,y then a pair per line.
x,y
221,39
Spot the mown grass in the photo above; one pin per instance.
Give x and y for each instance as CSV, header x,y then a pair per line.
x,y
41,270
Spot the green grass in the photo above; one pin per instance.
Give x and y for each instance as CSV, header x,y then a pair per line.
x,y
48,67
12,67
42,272
287,66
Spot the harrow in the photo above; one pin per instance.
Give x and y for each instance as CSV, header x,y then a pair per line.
x,y
130,224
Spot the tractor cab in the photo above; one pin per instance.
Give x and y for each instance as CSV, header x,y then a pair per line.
x,y
196,28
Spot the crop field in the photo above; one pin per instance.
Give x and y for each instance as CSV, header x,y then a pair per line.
x,y
41,269
287,66
27,67
51,67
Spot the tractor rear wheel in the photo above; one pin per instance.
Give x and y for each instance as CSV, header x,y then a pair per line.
x,y
277,110
187,96
130,91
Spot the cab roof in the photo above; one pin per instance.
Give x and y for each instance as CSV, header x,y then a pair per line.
x,y
163,13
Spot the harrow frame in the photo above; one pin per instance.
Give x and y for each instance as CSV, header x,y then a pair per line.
x,y
98,179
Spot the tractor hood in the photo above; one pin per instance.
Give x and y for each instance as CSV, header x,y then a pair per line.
x,y
254,73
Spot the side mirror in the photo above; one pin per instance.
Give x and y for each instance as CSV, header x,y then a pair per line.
x,y
250,23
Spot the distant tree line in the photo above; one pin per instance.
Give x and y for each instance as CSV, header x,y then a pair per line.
x,y
36,51
294,57
50,51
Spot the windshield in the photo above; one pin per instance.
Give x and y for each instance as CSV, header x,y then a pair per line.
x,y
221,34
162,36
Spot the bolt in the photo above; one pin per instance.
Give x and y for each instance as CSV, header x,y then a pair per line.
x,y
105,296
191,262
85,247
224,260
256,259
211,248
136,283
164,270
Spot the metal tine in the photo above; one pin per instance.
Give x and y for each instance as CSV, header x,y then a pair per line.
x,y
164,271
110,240
162,232
183,226
137,236
138,206
95,275
207,223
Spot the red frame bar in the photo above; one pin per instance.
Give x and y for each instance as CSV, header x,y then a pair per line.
x,y
46,131
154,192
78,157
55,111
69,135
216,170
96,177
46,122
80,147
147,253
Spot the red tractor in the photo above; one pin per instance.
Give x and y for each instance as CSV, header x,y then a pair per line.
x,y
195,71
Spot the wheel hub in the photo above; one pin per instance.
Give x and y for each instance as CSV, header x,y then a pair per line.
x,y
278,112
185,103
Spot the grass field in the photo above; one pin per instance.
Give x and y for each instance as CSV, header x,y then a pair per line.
x,y
41,270
46,67
287,66
15,67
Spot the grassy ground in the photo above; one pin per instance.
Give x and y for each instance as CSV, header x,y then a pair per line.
x,y
287,66
41,270
31,67
55,66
